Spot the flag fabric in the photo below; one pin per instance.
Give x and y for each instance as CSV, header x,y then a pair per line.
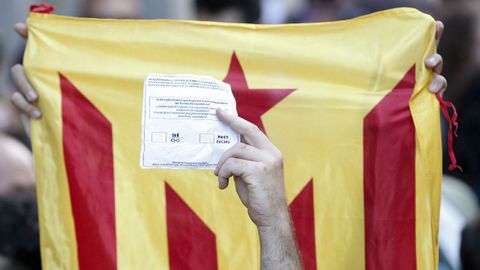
x,y
346,103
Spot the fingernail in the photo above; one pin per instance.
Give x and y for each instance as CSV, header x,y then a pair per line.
x,y
36,113
219,112
434,86
32,96
431,61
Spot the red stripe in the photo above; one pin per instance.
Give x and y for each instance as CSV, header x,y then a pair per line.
x,y
389,181
302,212
87,144
191,244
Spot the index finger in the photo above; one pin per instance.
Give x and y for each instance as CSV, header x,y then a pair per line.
x,y
251,133
438,31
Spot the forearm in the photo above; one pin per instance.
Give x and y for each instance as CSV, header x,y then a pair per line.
x,y
278,245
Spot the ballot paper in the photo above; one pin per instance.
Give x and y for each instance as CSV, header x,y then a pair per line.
x,y
179,128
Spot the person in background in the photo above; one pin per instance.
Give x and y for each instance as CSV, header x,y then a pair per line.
x,y
460,50
331,10
10,122
125,9
469,251
16,167
228,10
19,238
458,208
19,232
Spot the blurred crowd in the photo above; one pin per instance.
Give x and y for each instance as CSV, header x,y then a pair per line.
x,y
459,223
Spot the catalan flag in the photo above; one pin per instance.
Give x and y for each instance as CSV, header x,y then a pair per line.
x,y
346,103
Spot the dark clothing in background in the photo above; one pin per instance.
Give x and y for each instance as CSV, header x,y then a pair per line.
x,y
19,231
469,250
467,144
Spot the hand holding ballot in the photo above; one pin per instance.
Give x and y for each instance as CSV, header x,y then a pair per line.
x,y
257,169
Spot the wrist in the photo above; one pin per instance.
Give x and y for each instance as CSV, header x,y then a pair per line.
x,y
280,220
278,244
279,226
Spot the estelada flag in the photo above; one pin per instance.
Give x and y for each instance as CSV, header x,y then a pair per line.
x,y
346,103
